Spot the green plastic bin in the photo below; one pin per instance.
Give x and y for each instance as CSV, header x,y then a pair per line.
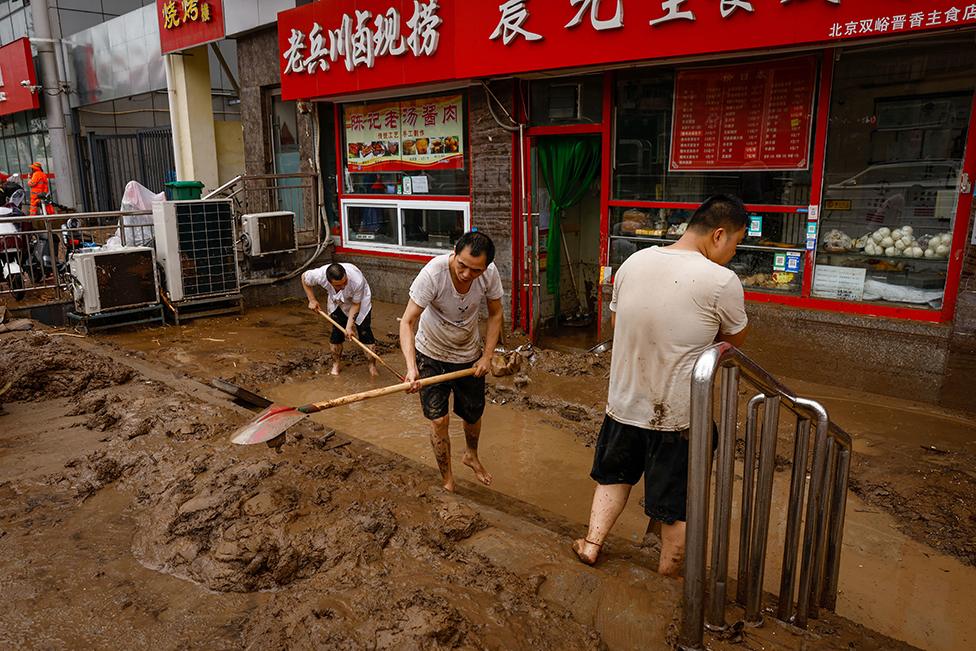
x,y
184,190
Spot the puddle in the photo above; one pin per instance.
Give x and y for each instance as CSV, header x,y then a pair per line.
x,y
889,582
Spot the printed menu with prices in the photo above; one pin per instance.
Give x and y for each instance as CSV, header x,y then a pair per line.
x,y
751,116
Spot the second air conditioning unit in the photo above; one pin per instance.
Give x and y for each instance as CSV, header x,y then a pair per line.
x,y
195,244
270,232
114,279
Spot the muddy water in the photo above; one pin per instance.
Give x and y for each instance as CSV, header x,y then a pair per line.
x,y
888,582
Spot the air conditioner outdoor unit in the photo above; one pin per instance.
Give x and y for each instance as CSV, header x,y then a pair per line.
x,y
114,279
270,232
195,244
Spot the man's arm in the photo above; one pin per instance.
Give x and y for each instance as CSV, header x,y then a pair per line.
x,y
483,365
408,325
351,319
313,303
736,340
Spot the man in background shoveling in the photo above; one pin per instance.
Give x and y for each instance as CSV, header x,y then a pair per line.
x,y
349,303
445,301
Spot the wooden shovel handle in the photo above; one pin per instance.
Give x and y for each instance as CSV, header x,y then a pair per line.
x,y
382,391
365,348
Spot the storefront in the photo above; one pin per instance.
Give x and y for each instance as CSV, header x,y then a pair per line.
x,y
845,127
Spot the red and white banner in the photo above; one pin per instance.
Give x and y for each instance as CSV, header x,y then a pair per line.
x,y
755,116
347,46
188,23
419,134
16,78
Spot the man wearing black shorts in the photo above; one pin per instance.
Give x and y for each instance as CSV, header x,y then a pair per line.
x,y
349,304
669,304
445,302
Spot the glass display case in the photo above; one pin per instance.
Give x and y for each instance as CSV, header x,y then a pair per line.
x,y
769,259
892,174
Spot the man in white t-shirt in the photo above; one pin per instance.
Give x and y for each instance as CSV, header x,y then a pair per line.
x,y
349,304
669,304
445,302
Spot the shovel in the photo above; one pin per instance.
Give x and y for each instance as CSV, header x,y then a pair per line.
x,y
365,348
274,420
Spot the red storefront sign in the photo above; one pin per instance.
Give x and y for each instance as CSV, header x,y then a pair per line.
x,y
750,116
187,23
17,66
347,46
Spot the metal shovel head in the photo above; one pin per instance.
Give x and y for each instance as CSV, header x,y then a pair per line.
x,y
270,423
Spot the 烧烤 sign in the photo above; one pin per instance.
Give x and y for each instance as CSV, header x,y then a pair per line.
x,y
188,23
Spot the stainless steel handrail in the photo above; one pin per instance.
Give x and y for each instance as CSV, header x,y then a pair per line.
x,y
826,498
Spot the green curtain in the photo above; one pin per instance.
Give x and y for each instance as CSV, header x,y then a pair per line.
x,y
568,165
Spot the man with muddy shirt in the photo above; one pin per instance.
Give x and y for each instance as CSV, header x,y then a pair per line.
x,y
669,304
445,302
350,304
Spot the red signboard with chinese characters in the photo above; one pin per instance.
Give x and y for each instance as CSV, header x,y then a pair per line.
x,y
16,67
750,116
348,46
418,134
187,23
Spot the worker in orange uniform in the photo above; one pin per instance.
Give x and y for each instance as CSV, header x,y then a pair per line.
x,y
38,185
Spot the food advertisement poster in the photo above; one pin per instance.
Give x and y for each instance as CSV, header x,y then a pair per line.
x,y
418,134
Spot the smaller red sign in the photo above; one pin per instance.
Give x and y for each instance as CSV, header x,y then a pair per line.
x,y
16,67
751,116
187,23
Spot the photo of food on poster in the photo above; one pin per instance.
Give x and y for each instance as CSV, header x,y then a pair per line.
x,y
419,134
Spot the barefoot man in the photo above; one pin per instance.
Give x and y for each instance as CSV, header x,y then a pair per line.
x,y
445,299
669,304
349,304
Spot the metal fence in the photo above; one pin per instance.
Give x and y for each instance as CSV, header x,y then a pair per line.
x,y
816,500
116,159
39,247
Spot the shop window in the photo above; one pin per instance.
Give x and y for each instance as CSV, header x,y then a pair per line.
x,y
411,146
769,259
895,146
642,154
409,226
566,100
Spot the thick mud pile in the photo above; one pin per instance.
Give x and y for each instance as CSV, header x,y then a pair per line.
x,y
349,548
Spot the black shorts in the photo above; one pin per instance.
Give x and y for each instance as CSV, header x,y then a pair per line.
x,y
625,452
469,392
364,330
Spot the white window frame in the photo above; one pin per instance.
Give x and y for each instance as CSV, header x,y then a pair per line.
x,y
400,205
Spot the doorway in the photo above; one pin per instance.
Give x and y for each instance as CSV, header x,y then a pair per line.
x,y
565,196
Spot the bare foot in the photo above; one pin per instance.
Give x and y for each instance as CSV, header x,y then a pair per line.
x,y
449,484
472,462
335,370
373,373
586,551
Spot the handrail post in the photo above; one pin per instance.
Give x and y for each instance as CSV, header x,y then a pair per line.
x,y
699,470
801,444
748,491
760,522
810,534
718,583
838,507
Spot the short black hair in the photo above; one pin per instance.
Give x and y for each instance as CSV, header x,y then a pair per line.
x,y
478,243
335,272
720,211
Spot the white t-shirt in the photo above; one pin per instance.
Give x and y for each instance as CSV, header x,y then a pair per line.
x,y
448,329
670,305
355,291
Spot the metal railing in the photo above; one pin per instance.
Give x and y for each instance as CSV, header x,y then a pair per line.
x,y
822,493
297,192
41,246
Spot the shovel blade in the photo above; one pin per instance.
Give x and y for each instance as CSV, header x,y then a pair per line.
x,y
270,423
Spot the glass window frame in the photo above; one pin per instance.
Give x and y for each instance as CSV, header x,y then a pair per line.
x,y
400,204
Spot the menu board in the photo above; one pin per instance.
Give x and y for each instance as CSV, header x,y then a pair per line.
x,y
755,116
417,134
